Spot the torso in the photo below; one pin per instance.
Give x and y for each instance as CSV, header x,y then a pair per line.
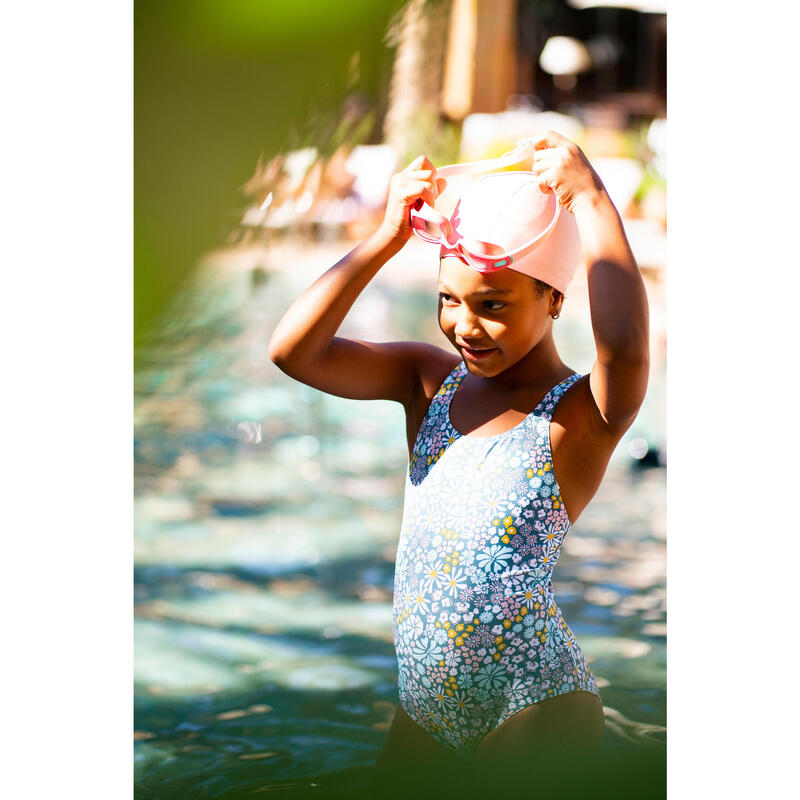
x,y
580,448
476,626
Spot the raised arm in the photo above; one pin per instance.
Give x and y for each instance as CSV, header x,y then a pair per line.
x,y
617,297
304,345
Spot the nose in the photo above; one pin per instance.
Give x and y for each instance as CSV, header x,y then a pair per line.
x,y
467,326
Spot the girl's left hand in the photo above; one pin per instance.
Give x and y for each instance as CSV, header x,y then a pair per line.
x,y
561,167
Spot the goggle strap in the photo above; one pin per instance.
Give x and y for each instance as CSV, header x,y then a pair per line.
x,y
522,151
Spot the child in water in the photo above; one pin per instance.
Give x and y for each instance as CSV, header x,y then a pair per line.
x,y
507,445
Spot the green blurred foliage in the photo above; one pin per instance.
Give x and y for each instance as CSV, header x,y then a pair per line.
x,y
217,83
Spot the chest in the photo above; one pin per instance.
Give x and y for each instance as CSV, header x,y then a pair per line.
x,y
445,463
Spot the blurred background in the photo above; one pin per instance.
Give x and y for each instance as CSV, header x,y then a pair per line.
x,y
267,513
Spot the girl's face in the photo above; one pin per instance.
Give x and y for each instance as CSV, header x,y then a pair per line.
x,y
494,319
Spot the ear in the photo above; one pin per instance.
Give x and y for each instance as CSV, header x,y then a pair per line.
x,y
556,301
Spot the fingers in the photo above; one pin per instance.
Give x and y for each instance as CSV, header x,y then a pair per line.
x,y
418,180
420,174
420,162
427,175
411,190
549,139
422,169
542,169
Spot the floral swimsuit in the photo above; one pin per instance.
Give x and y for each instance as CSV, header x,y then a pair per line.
x,y
476,628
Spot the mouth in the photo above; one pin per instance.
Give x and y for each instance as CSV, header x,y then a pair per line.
x,y
477,354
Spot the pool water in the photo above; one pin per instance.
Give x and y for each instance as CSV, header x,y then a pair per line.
x,y
266,520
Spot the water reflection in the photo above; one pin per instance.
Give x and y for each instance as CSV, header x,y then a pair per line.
x,y
267,516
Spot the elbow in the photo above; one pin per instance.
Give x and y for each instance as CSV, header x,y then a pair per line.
x,y
290,356
278,352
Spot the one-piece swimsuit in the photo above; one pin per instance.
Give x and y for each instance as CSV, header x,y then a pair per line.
x,y
477,630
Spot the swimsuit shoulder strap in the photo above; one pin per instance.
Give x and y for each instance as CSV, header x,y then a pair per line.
x,y
549,402
440,402
450,384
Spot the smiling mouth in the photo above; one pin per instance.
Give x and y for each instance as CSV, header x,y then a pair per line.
x,y
476,353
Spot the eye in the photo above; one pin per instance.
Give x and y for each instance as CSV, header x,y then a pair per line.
x,y
445,298
494,305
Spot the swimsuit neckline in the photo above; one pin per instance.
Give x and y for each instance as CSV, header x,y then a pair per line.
x,y
462,369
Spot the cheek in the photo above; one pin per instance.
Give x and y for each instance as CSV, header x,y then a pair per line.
x,y
445,323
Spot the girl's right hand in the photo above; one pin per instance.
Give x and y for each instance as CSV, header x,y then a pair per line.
x,y
417,180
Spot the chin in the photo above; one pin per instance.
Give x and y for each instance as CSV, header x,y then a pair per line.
x,y
484,370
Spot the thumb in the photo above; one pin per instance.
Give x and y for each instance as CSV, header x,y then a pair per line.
x,y
543,184
547,139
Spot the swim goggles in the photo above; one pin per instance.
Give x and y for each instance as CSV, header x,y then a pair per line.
x,y
431,226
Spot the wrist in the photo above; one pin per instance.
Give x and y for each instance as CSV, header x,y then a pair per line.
x,y
385,238
385,242
593,202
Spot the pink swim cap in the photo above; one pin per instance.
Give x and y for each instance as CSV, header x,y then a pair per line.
x,y
509,209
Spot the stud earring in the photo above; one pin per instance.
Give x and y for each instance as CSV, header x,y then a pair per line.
x,y
556,316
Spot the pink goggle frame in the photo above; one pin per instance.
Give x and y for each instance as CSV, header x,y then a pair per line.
x,y
433,227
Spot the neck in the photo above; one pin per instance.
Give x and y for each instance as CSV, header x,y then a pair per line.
x,y
541,363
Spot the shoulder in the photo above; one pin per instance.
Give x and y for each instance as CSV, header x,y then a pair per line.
x,y
431,365
579,426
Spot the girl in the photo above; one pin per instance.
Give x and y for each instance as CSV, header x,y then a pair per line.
x,y
492,682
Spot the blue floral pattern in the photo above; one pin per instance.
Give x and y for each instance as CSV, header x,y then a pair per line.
x,y
477,631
